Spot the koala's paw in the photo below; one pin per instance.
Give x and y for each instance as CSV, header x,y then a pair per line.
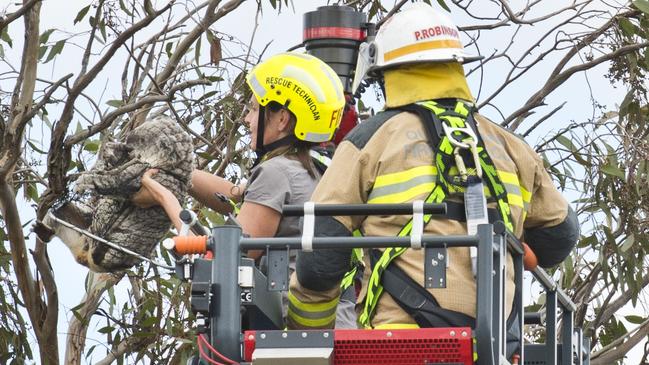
x,y
44,230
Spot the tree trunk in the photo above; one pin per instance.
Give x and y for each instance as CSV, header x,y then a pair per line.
x,y
78,328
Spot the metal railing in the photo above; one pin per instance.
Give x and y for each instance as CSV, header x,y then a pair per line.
x,y
493,243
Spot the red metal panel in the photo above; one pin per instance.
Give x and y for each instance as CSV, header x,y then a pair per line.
x,y
403,347
422,346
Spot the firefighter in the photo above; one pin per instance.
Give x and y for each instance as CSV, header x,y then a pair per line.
x,y
296,103
430,144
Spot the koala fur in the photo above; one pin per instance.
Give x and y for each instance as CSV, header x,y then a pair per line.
x,y
108,211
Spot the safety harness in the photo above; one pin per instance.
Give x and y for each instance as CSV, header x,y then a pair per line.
x,y
453,135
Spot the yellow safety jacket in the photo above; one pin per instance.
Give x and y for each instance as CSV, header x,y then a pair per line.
x,y
388,159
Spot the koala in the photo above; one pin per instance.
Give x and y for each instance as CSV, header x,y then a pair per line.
x,y
108,211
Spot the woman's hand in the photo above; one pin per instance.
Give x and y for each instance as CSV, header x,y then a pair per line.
x,y
148,195
153,193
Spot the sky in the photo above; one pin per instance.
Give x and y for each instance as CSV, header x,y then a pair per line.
x,y
279,32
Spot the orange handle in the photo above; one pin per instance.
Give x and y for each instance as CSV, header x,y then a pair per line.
x,y
530,262
187,245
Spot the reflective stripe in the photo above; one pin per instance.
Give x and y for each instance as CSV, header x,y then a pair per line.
x,y
320,158
403,196
403,176
312,307
516,200
527,196
512,179
508,177
395,188
256,86
513,190
307,81
418,47
403,186
311,314
333,78
317,137
516,194
314,323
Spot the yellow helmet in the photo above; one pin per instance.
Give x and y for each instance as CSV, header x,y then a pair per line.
x,y
304,85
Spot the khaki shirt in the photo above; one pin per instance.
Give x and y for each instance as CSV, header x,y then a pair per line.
x,y
381,170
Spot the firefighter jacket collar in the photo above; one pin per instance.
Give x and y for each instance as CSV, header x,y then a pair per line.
x,y
409,84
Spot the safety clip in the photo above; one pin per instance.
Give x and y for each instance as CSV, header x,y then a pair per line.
x,y
470,143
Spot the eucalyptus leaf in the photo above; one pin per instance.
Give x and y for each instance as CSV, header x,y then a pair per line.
x,y
627,27
106,329
635,319
81,14
55,50
115,103
566,142
45,36
613,171
4,35
642,5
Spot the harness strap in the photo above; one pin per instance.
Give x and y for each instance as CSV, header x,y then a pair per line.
x,y
433,116
417,301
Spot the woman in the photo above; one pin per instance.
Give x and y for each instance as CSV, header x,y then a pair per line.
x,y
296,102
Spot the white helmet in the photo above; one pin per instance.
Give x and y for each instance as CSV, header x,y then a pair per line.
x,y
415,35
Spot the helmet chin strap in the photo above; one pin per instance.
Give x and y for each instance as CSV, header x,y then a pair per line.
x,y
261,126
262,149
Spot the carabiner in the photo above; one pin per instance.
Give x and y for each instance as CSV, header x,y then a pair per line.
x,y
459,163
473,147
470,143
448,130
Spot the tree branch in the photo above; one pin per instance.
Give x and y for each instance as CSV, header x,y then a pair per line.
x,y
19,259
46,98
610,309
91,38
617,349
9,156
554,82
5,21
127,345
390,13
23,94
48,328
516,17
211,16
108,119
78,327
